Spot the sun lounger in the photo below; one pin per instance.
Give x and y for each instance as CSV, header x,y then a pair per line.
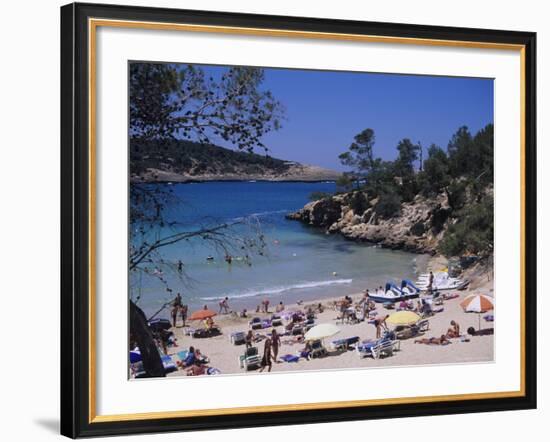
x,y
135,356
422,326
255,323
207,333
375,349
159,324
317,349
237,338
290,358
344,344
250,358
167,362
276,321
385,348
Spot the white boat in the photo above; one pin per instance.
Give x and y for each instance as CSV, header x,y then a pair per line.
x,y
441,281
391,294
396,294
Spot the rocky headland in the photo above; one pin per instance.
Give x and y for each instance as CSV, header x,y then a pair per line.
x,y
418,227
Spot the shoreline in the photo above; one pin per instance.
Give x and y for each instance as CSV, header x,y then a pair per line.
x,y
224,356
230,180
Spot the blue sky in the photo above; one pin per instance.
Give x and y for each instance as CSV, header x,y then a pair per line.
x,y
326,109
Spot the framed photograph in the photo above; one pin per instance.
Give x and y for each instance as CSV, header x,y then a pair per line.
x,y
279,220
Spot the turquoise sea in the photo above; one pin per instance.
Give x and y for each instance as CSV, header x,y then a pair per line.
x,y
298,262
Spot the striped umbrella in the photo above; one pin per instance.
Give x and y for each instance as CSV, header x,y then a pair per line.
x,y
477,304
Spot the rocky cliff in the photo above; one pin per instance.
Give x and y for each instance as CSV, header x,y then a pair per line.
x,y
417,227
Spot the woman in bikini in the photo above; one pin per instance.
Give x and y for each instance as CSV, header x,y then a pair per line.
x,y
442,340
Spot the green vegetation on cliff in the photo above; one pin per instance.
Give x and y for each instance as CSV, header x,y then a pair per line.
x,y
463,172
192,158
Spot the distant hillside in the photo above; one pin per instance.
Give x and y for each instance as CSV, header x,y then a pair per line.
x,y
181,161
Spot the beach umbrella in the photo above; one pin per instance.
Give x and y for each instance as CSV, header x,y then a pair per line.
x,y
202,314
478,304
321,331
404,317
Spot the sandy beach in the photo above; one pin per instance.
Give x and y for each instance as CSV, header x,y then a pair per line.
x,y
224,356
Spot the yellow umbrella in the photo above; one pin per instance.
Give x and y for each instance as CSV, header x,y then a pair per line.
x,y
403,317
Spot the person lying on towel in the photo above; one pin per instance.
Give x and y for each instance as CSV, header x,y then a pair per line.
x,y
443,340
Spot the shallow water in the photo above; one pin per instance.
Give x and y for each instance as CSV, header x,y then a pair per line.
x,y
298,263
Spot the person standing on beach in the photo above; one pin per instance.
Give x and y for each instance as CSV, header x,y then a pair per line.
x,y
183,312
430,282
266,359
177,300
175,310
379,323
224,305
275,343
248,339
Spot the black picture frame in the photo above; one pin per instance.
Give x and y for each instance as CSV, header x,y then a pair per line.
x,y
75,221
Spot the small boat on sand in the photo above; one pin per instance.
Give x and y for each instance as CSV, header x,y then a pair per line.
x,y
395,294
441,281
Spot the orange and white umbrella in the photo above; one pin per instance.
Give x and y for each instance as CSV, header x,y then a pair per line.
x,y
477,303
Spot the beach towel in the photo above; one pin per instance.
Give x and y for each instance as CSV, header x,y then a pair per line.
x,y
168,363
182,354
290,358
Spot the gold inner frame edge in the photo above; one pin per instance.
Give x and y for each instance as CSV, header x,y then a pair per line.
x,y
93,24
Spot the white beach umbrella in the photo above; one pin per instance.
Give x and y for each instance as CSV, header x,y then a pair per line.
x,y
321,331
